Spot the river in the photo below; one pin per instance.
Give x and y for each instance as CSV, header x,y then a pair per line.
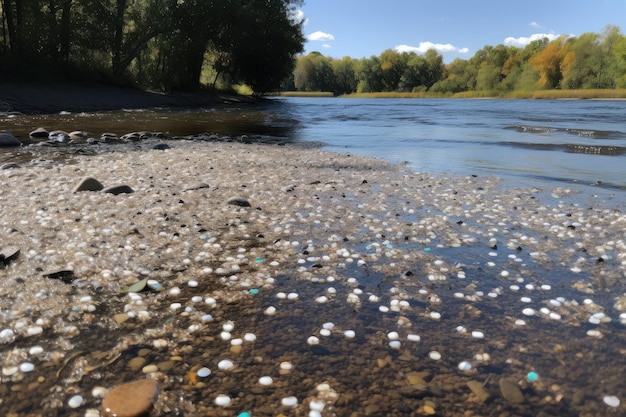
x,y
546,143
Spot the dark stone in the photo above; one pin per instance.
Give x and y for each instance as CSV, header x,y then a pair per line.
x,y
118,189
161,147
9,165
7,140
238,201
320,350
89,184
65,275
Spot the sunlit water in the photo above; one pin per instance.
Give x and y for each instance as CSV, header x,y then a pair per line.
x,y
528,142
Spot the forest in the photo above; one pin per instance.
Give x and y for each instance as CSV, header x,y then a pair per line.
x,y
589,61
216,44
158,44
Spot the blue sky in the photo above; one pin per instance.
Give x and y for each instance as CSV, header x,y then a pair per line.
x,y
455,28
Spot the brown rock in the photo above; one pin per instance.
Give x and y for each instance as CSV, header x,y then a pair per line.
x,y
133,399
479,390
510,391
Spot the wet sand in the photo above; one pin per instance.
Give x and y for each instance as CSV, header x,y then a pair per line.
x,y
385,290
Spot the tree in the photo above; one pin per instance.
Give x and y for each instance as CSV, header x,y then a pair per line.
x,y
392,66
370,75
548,62
345,75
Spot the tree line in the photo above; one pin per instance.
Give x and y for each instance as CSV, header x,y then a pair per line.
x,y
590,60
165,44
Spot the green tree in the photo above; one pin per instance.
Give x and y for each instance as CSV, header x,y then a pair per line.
x,y
345,75
392,65
370,75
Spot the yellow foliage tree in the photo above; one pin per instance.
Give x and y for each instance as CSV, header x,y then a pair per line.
x,y
548,62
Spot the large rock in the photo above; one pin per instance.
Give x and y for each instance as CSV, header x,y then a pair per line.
x,y
7,140
133,399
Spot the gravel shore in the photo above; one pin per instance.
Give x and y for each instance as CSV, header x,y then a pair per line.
x,y
357,286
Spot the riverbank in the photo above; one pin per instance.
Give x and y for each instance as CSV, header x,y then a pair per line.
x,y
35,97
248,278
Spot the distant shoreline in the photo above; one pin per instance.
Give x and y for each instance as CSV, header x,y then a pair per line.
x,y
48,98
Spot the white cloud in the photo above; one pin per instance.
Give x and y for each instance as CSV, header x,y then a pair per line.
x,y
320,36
535,25
442,48
326,46
523,41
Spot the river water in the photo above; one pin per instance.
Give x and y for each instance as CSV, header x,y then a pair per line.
x,y
579,143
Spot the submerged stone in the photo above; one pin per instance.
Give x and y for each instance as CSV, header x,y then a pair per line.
x,y
133,399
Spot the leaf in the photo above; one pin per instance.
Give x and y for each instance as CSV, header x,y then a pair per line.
x,y
137,287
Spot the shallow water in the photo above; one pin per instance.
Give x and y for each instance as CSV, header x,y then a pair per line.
x,y
527,142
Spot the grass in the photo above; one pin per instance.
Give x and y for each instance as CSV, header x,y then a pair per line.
x,y
304,94
517,94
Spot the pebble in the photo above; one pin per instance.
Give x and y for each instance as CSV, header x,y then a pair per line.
x,y
203,372
131,399
511,391
434,355
222,400
118,189
479,390
290,401
27,367
75,402
266,380
611,401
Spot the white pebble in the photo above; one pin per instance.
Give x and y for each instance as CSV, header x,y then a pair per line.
x,y
520,322
393,335
316,405
225,365
6,334
236,342
383,309
413,337
465,366
528,312
324,332
292,296
270,311
225,335
526,300
286,366
27,367
312,340
174,291
478,335
289,401
192,283
395,344
249,337
435,315
222,400
203,372
321,299
594,333
99,392
35,350
75,402
350,334
611,400
434,355
229,326
266,381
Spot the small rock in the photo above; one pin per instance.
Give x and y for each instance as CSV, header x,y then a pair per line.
x,y
238,201
59,136
510,391
40,132
8,254
161,147
7,140
478,390
197,186
118,189
88,184
133,399
9,165
65,275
